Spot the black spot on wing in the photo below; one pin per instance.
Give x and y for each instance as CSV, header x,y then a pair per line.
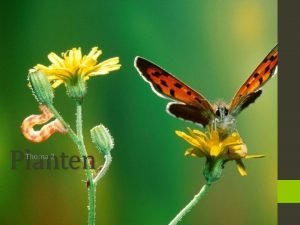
x,y
156,73
178,85
261,80
172,92
164,83
272,58
267,68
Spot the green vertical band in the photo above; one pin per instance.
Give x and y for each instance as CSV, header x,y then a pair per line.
x,y
288,191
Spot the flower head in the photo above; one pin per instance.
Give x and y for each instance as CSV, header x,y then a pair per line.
x,y
217,149
73,69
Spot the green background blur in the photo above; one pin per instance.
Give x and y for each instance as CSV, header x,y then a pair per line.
x,y
211,45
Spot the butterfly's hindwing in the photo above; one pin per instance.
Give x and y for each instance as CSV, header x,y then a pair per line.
x,y
189,112
249,99
257,79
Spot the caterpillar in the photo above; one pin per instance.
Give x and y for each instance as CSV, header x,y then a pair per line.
x,y
46,131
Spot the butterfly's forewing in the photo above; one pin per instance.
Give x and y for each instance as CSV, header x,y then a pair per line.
x,y
250,90
166,85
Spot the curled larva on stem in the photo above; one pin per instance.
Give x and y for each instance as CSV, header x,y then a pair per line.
x,y
46,131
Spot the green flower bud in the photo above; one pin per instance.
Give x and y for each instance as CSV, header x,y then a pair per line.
x,y
41,87
102,139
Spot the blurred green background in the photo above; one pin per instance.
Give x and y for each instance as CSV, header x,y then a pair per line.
x,y
211,45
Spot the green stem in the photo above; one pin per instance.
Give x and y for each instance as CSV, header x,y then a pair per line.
x,y
190,205
78,140
104,169
89,174
70,132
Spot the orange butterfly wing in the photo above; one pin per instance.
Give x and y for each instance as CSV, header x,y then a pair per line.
x,y
250,90
166,85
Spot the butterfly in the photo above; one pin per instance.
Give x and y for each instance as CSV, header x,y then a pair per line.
x,y
190,105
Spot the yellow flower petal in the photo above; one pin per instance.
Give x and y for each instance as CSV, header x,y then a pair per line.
x,y
214,136
215,150
201,138
59,73
55,59
188,138
233,139
77,57
94,53
88,62
241,167
91,58
199,133
196,133
106,66
238,149
194,152
105,70
57,83
254,156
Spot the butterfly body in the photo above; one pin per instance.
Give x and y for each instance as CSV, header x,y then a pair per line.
x,y
223,119
190,105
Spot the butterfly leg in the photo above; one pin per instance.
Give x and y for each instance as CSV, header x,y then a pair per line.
x,y
214,124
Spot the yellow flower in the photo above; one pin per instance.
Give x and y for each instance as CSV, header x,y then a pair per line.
x,y
215,148
73,69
